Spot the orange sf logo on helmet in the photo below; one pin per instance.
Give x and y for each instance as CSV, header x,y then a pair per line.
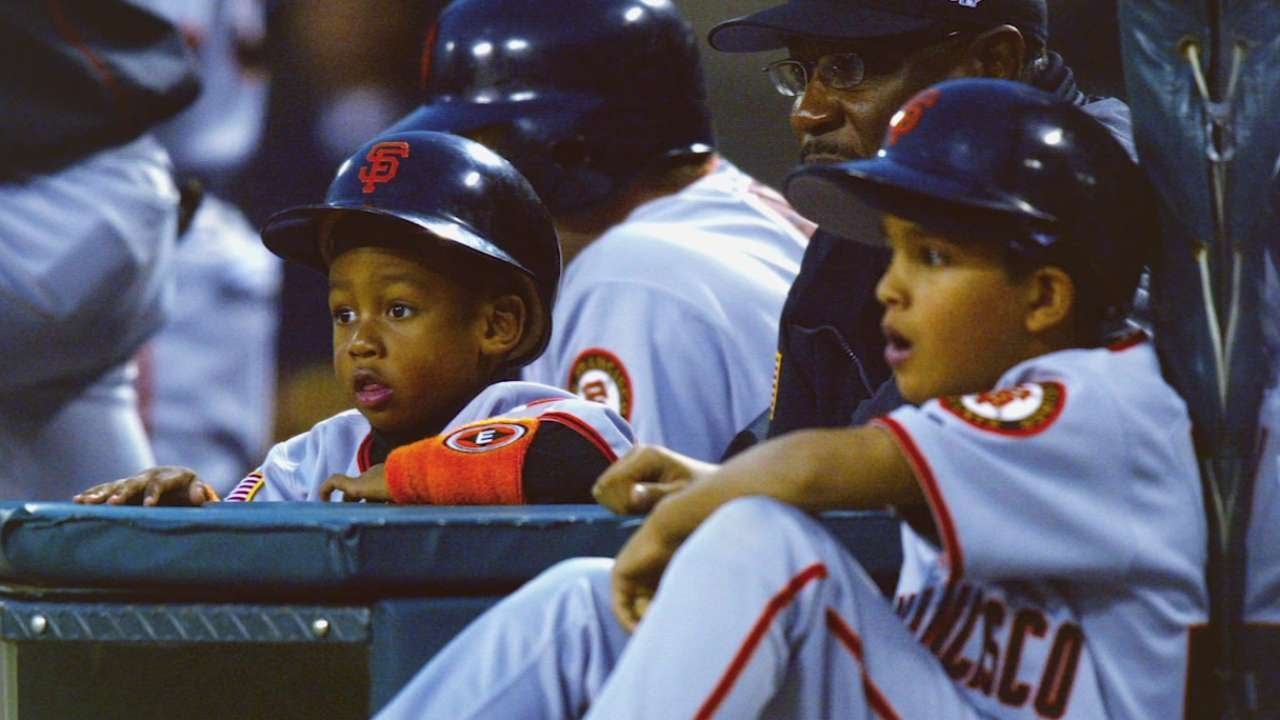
x,y
383,164
906,119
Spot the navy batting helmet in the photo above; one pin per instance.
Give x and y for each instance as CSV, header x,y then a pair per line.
x,y
579,96
448,193
990,155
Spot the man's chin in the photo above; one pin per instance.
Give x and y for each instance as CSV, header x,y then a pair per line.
x,y
822,159
821,152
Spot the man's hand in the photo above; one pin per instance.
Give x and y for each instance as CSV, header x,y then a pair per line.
x,y
634,484
372,485
166,485
642,477
639,567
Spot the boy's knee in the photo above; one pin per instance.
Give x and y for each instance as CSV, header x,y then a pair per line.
x,y
757,516
760,526
573,578
573,570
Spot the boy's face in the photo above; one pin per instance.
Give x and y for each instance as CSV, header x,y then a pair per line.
x,y
954,319
405,341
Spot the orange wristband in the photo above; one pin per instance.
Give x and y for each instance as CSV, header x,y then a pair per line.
x,y
477,464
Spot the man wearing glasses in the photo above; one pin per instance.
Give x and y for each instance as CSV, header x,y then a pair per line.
x,y
850,64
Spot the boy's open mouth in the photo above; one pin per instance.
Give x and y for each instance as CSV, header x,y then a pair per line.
x,y
897,348
371,392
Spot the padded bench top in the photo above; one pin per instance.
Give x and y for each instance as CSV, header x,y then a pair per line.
x,y
363,548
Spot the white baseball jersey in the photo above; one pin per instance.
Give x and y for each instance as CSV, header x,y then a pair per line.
x,y
342,444
671,317
1071,524
85,258
208,386
1066,583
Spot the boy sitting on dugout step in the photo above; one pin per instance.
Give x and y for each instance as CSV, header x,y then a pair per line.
x,y
1055,546
443,266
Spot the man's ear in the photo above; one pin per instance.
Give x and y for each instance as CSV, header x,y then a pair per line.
x,y
505,318
999,53
1052,299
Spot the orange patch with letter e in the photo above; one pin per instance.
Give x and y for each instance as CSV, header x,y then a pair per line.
x,y
599,376
477,464
1020,411
384,164
485,438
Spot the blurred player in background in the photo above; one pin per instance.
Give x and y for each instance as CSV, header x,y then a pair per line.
x,y
678,262
88,215
209,376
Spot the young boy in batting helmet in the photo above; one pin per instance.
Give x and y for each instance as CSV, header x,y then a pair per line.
x,y
443,267
1055,541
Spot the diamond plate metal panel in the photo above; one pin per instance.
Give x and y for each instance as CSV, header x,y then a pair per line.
x,y
182,623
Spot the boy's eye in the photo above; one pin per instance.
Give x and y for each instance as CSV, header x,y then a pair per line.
x,y
933,257
400,311
344,316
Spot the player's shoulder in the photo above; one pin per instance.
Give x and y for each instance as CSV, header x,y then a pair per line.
x,y
520,399
1117,386
1126,369
719,221
507,397
1114,390
729,203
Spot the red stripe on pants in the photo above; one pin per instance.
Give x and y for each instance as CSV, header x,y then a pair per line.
x,y
743,656
875,698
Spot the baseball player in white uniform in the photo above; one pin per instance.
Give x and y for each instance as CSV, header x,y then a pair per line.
x,y
1055,541
443,267
677,308
674,302
88,214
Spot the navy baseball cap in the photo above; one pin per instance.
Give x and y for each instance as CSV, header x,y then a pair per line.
x,y
770,29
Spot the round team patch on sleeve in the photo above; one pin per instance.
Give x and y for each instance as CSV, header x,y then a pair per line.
x,y
1020,411
485,438
599,376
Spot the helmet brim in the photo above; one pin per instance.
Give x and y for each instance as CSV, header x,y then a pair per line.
x,y
773,27
459,115
299,234
850,198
